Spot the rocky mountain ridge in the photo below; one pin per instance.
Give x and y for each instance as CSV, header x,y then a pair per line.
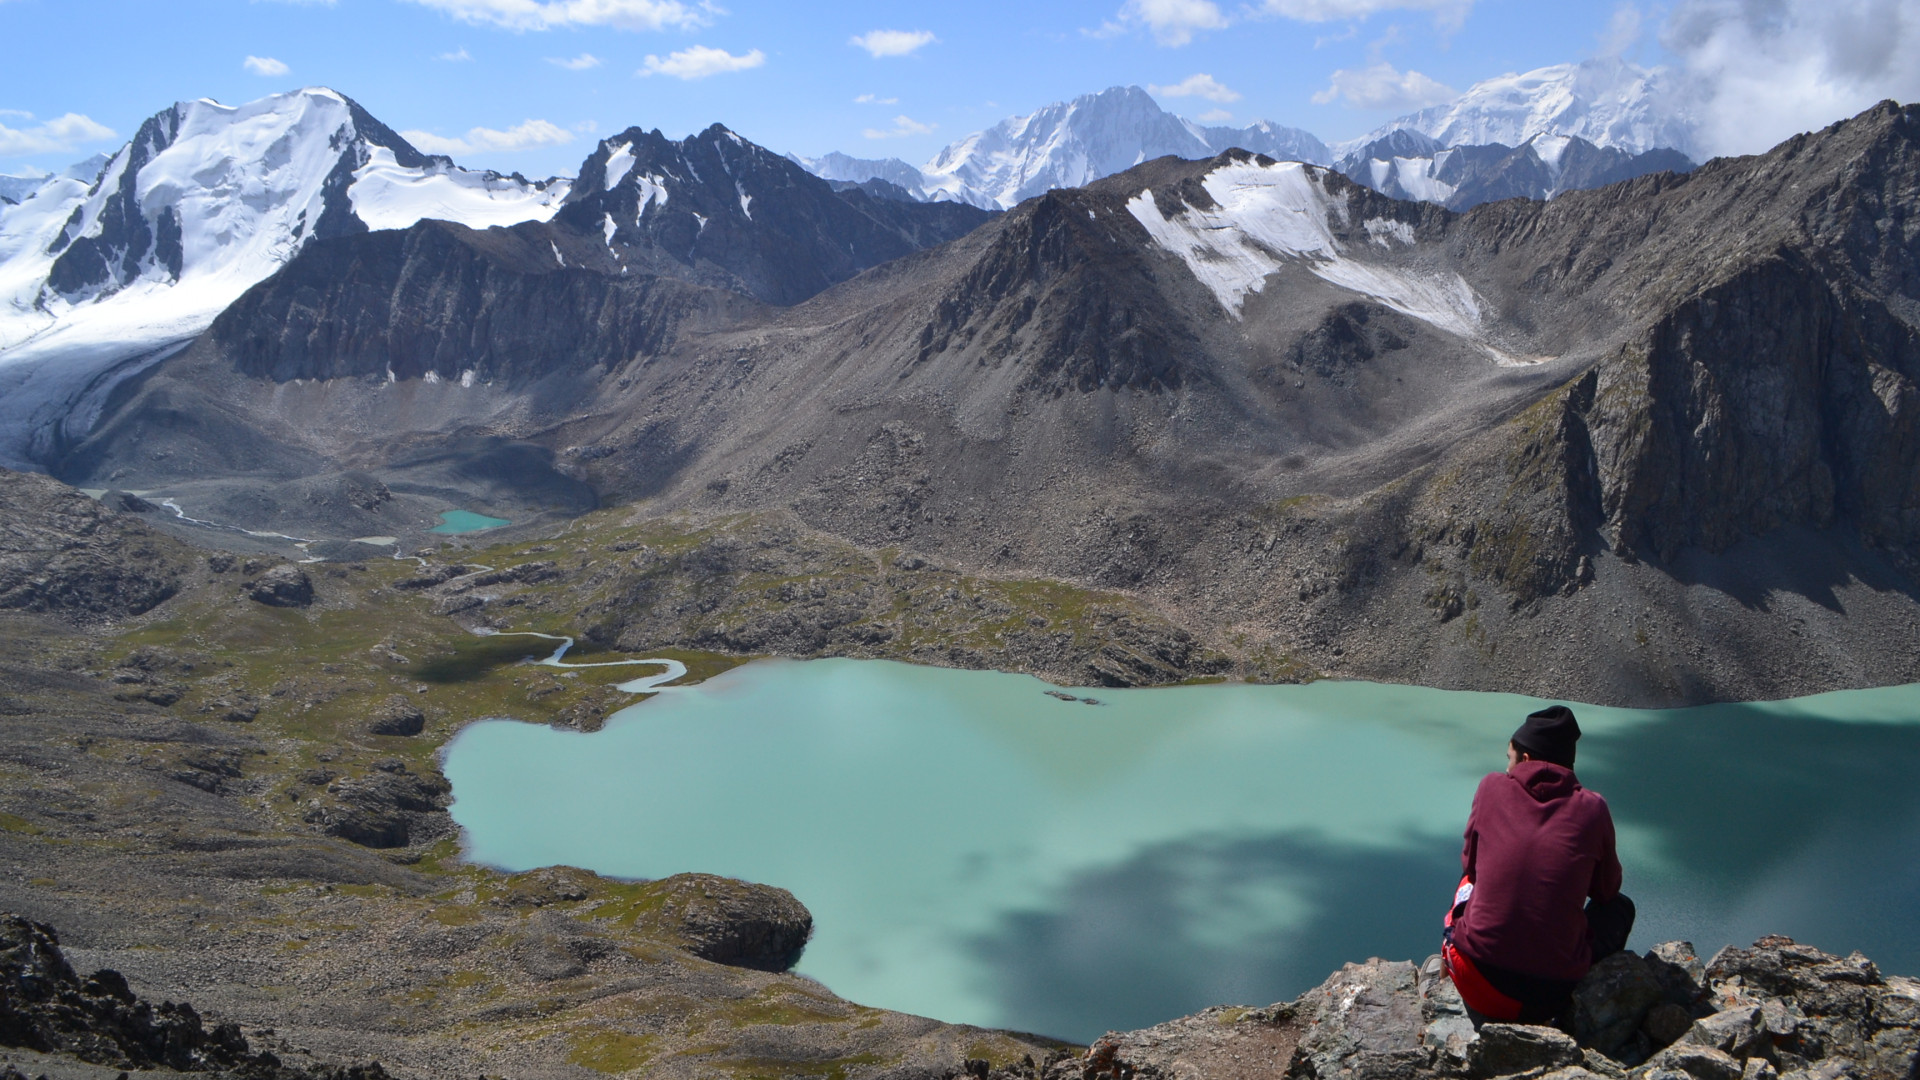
x,y
1270,399
1622,111
1409,165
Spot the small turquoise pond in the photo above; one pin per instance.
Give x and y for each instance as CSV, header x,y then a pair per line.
x,y
977,851
466,521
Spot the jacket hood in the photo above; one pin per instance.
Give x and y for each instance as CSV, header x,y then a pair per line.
x,y
1544,780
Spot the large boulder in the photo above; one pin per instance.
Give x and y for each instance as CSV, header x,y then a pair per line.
x,y
731,922
285,585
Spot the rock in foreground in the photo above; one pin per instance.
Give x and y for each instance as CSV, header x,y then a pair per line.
x,y
1776,1010
45,1006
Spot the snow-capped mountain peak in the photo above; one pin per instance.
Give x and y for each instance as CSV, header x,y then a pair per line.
x,y
1066,144
204,201
1609,102
1072,143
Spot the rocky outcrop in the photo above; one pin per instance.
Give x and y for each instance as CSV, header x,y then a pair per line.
x,y
45,1006
1778,1009
389,807
397,716
63,553
731,922
284,585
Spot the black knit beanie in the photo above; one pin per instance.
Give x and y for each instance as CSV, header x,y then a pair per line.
x,y
1549,735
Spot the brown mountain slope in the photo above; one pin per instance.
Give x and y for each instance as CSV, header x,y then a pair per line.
x,y
1649,443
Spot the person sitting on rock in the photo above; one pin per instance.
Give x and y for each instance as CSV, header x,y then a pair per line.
x,y
1538,847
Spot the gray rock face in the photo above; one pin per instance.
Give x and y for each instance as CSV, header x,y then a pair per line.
x,y
1777,1009
729,210
64,553
1505,1049
1613,1003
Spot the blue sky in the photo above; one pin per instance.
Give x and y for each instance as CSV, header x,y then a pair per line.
x,y
528,85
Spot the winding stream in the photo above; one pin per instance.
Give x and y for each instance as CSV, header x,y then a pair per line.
x,y
646,684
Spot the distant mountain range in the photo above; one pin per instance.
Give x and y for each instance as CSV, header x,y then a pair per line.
x,y
1066,144
108,266
1613,107
1409,165
1608,102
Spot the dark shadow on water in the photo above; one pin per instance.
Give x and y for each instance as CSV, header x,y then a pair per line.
x,y
1812,824
1152,938
1770,824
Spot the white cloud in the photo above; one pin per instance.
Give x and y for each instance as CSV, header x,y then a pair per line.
x,y
1763,70
1448,13
578,63
459,56
58,135
870,99
893,42
1622,31
521,15
1172,22
903,126
1202,85
523,136
701,61
1214,116
1382,86
265,65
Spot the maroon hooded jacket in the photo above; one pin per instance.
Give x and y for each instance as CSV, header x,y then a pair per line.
x,y
1538,846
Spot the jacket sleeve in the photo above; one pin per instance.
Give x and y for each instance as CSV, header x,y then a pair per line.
x,y
1606,866
1471,842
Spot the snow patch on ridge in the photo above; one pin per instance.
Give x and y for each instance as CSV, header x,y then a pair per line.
x,y
1269,215
386,195
619,162
652,189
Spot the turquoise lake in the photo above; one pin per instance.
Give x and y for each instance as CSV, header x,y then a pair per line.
x,y
466,521
977,851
